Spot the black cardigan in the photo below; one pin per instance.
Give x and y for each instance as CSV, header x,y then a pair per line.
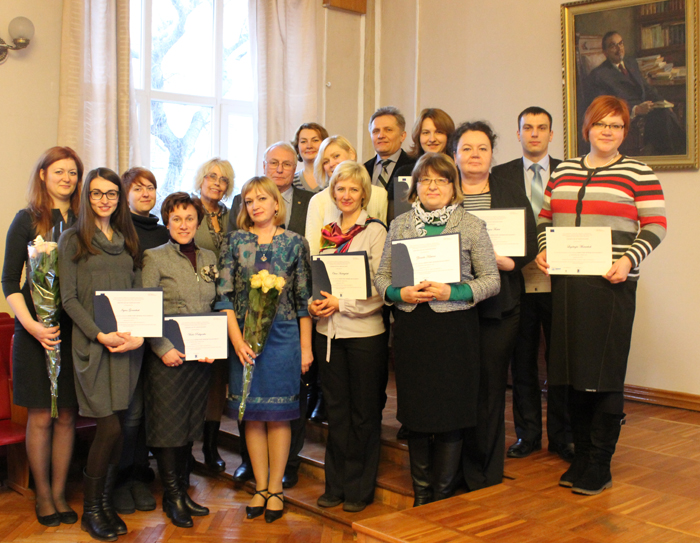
x,y
506,193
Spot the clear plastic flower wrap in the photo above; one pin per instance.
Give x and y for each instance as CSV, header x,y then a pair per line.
x,y
263,299
46,297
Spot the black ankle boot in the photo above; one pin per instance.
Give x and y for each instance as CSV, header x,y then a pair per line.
x,y
193,507
107,505
173,489
94,521
445,464
319,414
210,446
419,455
605,431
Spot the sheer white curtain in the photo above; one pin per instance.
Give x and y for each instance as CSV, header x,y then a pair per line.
x,y
283,40
94,86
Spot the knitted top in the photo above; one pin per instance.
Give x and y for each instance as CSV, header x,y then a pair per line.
x,y
625,195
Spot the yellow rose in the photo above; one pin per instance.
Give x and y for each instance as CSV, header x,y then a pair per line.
x,y
279,283
268,282
263,273
256,281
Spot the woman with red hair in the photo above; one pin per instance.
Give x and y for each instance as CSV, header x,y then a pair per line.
x,y
592,316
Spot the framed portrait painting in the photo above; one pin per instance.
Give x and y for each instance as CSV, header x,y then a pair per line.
x,y
645,53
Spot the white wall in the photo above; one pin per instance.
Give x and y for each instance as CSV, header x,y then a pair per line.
x,y
29,99
490,60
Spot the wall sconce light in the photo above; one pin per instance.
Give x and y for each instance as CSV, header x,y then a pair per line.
x,y
21,31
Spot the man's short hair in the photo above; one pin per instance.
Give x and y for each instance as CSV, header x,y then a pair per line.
x,y
534,110
607,36
283,144
389,110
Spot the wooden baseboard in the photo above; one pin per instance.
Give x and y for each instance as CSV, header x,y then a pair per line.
x,y
666,398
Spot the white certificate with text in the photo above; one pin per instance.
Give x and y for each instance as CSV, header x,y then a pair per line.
x,y
344,275
137,311
535,280
431,258
506,228
579,250
198,336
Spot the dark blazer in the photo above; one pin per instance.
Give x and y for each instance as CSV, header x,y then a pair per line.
x,y
505,193
606,79
515,170
404,160
297,221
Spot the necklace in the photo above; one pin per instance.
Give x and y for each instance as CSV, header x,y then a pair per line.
x,y
613,159
264,254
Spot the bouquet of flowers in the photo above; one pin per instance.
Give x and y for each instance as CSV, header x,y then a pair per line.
x,y
263,299
46,296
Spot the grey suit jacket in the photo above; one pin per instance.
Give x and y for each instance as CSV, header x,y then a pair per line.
x,y
297,221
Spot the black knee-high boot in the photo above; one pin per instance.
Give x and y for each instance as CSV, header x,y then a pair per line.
x,y
94,520
419,455
605,431
445,464
210,446
107,506
581,416
194,508
173,488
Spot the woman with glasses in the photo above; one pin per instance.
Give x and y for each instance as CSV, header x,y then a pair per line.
x,y
213,183
592,316
472,147
437,372
306,143
101,252
54,197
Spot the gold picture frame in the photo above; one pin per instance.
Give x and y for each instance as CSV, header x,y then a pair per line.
x,y
659,42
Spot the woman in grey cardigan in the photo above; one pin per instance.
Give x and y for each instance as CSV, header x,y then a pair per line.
x,y
101,252
176,390
436,335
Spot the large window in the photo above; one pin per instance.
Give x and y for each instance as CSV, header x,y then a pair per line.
x,y
194,88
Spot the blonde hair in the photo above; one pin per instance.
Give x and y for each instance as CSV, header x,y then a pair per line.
x,y
266,185
204,169
341,142
349,169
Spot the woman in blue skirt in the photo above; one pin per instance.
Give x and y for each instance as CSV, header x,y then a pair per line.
x,y
262,244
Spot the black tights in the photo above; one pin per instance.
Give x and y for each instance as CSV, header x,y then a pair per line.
x,y
106,448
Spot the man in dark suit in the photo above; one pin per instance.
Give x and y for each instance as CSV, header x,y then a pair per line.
x,y
387,127
279,163
533,171
279,167
619,76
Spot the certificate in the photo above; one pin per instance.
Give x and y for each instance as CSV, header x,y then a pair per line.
x,y
344,275
138,311
535,280
402,185
579,251
198,336
434,258
506,228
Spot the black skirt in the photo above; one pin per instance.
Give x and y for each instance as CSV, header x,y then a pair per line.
x,y
591,332
176,399
436,356
30,379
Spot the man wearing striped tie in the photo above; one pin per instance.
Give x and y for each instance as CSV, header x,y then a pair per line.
x,y
387,127
532,171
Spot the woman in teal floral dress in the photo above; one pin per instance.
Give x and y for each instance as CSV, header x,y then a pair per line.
x,y
262,244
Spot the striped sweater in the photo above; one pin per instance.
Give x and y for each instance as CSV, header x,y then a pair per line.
x,y
625,196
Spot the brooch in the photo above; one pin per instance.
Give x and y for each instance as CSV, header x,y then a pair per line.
x,y
209,273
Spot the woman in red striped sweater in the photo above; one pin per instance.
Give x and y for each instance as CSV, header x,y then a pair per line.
x,y
592,316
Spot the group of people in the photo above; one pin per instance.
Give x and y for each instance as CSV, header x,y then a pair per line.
x,y
452,343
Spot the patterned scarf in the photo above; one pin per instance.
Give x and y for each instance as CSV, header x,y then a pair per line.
x,y
437,217
332,237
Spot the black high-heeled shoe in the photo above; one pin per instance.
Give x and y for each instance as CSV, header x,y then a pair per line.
x,y
272,516
254,512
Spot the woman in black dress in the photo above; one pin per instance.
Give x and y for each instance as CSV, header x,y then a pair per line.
x,y
54,196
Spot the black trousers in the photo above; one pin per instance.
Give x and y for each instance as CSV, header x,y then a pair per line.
x,y
354,384
484,445
536,313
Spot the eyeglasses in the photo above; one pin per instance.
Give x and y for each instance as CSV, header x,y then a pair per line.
x,y
96,195
440,181
213,178
614,127
274,164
